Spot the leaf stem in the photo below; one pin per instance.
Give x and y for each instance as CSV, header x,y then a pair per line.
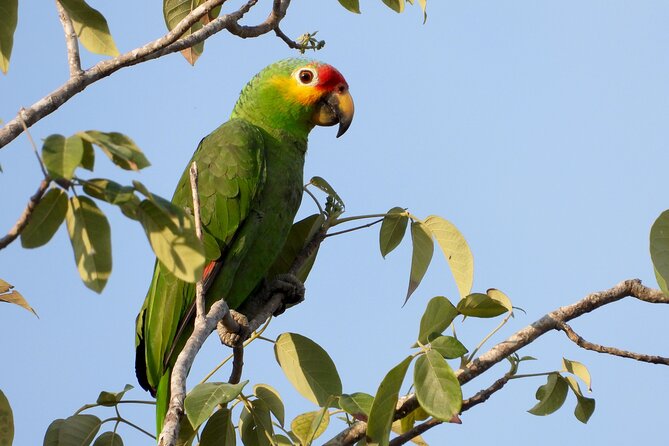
x,y
32,142
357,217
313,197
489,335
530,375
355,228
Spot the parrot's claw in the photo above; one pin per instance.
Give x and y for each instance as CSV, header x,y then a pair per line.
x,y
292,289
234,339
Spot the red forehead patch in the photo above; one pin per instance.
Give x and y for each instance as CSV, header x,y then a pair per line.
x,y
329,77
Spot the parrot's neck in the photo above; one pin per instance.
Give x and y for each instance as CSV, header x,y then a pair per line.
x,y
275,115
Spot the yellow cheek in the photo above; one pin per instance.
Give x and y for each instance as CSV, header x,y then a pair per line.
x,y
304,94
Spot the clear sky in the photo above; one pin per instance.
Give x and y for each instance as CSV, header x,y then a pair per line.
x,y
538,128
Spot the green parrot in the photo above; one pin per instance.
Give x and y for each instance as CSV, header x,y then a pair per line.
x,y
250,187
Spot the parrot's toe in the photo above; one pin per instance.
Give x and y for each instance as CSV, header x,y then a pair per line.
x,y
234,339
292,289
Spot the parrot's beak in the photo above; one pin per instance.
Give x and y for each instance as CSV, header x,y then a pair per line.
x,y
336,107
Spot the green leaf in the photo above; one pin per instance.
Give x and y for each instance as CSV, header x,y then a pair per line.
x,y
119,148
91,242
501,298
91,27
323,185
585,407
78,430
272,399
659,249
351,5
52,433
407,422
61,158
456,250
437,388
203,399
11,296
6,421
110,399
47,217
8,19
383,409
254,425
578,369
423,248
88,159
186,433
438,315
357,404
174,11
109,439
280,440
551,395
299,236
395,5
219,430
448,347
393,227
171,234
308,368
480,305
109,191
309,426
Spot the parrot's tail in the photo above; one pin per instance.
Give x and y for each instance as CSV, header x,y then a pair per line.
x,y
162,400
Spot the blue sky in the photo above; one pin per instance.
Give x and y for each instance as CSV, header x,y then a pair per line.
x,y
538,128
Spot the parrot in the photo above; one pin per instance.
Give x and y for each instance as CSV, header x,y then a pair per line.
x,y
250,187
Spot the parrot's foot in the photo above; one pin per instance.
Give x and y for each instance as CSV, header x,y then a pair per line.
x,y
234,339
292,289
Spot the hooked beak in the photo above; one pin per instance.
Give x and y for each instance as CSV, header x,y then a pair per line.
x,y
335,108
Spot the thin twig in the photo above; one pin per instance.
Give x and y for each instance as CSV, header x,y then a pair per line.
x,y
578,340
23,220
354,229
480,397
32,143
73,60
167,44
199,294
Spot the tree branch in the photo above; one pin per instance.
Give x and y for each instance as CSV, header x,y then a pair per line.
x,y
520,339
578,340
73,59
202,330
23,220
169,43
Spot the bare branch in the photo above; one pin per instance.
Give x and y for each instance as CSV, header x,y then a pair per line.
x,y
237,364
520,339
23,220
73,59
199,293
169,43
203,328
578,340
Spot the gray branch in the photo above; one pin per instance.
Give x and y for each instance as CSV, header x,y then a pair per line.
x,y
551,321
73,59
23,220
169,43
578,340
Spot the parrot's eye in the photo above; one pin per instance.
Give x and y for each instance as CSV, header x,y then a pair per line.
x,y
305,76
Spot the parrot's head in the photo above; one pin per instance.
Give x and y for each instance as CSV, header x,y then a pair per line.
x,y
295,95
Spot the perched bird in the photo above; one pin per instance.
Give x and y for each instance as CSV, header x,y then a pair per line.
x,y
250,187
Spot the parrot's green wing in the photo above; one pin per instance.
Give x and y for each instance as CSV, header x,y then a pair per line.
x,y
231,164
